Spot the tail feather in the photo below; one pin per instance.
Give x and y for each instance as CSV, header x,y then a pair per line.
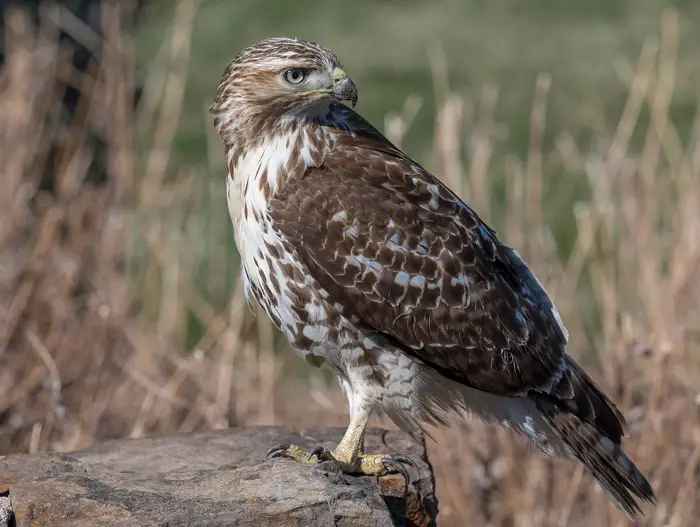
x,y
615,472
590,426
577,393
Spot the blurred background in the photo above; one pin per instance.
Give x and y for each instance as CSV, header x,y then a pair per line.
x,y
571,127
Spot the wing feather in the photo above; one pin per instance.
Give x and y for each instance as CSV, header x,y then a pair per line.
x,y
405,257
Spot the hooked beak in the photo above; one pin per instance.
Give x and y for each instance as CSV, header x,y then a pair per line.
x,y
343,88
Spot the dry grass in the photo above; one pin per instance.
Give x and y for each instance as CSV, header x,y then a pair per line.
x,y
102,283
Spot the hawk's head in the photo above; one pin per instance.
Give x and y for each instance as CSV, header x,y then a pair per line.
x,y
278,78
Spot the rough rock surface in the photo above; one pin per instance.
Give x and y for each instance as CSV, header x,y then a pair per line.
x,y
218,478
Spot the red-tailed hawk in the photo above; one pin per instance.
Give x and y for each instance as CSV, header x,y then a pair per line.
x,y
371,266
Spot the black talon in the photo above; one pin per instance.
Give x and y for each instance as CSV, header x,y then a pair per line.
x,y
405,460
398,463
277,451
317,451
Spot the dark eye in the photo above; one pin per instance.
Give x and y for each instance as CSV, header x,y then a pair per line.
x,y
295,76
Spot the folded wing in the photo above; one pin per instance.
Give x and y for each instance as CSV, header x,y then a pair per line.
x,y
404,256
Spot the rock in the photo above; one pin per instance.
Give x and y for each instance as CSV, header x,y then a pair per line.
x,y
6,513
216,478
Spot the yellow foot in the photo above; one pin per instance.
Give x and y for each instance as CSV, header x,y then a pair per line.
x,y
293,452
364,464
